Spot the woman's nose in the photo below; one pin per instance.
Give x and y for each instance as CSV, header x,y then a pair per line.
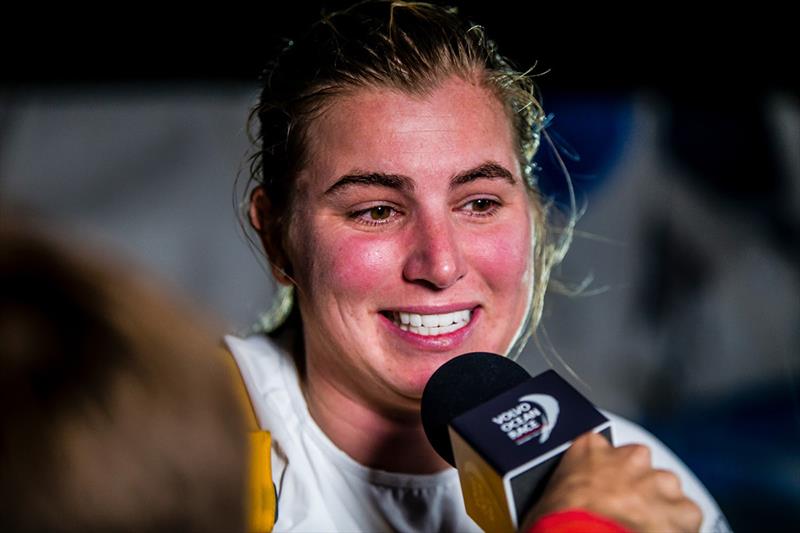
x,y
435,256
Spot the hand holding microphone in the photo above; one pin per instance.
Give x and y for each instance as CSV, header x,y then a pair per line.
x,y
507,432
618,483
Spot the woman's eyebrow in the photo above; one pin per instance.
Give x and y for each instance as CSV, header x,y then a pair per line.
x,y
487,170
392,181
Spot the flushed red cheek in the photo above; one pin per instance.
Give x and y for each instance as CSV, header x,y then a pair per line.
x,y
358,264
502,257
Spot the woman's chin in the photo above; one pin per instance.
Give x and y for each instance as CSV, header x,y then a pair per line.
x,y
414,381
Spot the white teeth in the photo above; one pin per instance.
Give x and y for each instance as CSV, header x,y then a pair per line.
x,y
429,325
449,329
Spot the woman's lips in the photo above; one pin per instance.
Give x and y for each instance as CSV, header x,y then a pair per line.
x,y
439,331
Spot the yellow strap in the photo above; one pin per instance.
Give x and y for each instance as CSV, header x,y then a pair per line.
x,y
262,502
261,491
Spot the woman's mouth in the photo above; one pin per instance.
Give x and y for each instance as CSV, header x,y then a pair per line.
x,y
430,325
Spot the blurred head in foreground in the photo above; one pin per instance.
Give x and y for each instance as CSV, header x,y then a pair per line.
x,y
118,412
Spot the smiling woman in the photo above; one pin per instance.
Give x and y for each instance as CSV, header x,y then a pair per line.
x,y
404,235
393,194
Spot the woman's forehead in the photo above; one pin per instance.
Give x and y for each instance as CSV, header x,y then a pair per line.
x,y
456,126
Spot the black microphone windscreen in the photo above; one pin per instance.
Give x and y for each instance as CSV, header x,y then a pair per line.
x,y
460,384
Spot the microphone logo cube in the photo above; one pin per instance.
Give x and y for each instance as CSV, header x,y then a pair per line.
x,y
505,449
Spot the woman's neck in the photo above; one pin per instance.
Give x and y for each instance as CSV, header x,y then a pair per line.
x,y
392,442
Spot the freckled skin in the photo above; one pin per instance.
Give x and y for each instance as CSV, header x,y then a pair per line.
x,y
436,249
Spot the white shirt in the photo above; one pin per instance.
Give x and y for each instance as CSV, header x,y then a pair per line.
x,y
321,488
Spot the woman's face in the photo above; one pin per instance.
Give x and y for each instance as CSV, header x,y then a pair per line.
x,y
410,239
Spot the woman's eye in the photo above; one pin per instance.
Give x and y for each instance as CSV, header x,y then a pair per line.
x,y
481,206
379,214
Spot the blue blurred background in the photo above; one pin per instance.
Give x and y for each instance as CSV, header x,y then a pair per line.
x,y
680,131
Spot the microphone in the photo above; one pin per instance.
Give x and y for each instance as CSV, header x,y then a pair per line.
x,y
504,431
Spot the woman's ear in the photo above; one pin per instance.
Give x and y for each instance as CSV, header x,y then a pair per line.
x,y
263,219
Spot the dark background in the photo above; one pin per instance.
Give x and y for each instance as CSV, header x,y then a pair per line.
x,y
661,45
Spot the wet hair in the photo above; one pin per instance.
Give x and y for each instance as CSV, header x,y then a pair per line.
x,y
404,46
118,411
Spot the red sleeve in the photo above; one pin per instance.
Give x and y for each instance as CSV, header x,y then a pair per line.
x,y
576,521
